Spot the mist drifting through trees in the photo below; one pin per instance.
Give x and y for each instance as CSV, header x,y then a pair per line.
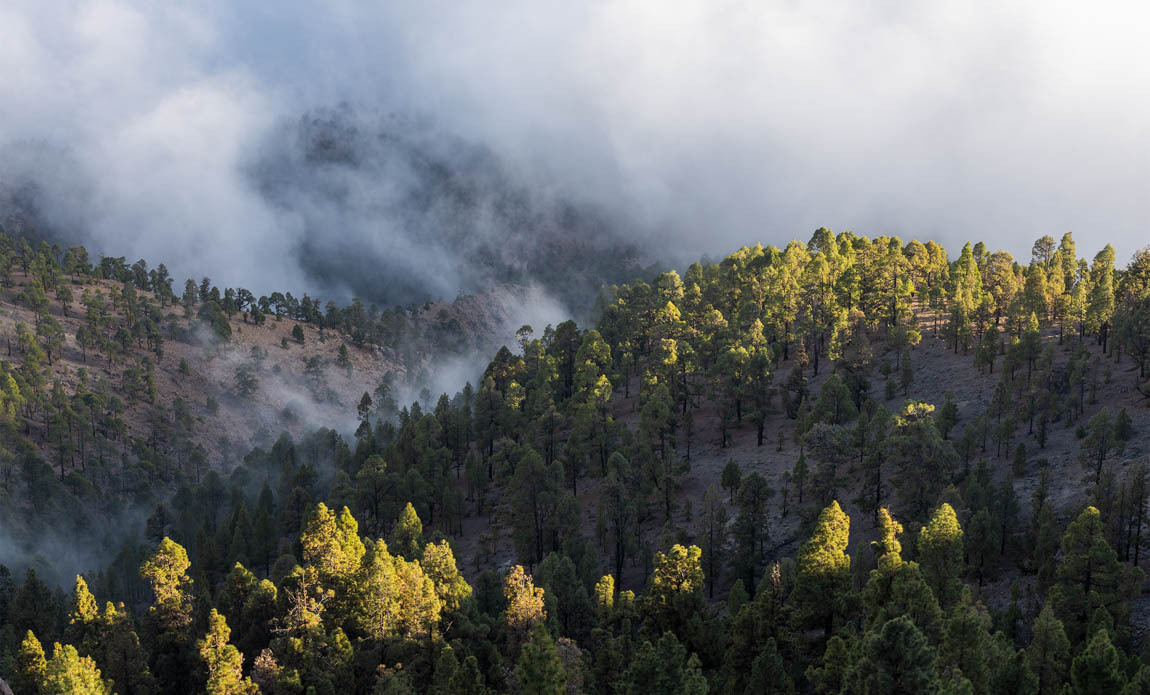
x,y
508,348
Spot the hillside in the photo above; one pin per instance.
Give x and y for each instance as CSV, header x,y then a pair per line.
x,y
285,395
713,479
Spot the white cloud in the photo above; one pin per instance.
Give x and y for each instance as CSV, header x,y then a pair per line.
x,y
712,123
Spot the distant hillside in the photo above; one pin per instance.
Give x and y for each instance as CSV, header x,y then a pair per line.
x,y
113,377
385,208
396,210
298,384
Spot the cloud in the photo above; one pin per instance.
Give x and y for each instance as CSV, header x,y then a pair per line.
x,y
689,127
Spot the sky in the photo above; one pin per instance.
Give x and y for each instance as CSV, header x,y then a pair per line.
x,y
702,126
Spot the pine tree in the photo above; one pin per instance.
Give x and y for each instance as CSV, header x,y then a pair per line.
x,y
524,606
1100,302
166,572
120,654
446,673
896,587
1018,464
967,644
166,624
1098,669
799,474
662,667
769,673
676,591
407,534
983,545
831,675
82,618
713,530
31,668
731,478
1015,676
535,495
1049,652
922,458
333,553
616,514
822,584
940,555
565,596
394,597
1089,577
750,529
68,673
1098,444
946,416
468,680
896,660
737,598
539,670
1140,683
224,662
438,564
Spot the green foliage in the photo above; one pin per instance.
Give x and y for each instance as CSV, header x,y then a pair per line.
x,y
831,675
68,673
897,588
166,572
1098,669
676,589
922,459
662,667
438,563
1090,576
896,659
731,478
611,416
407,534
247,383
1049,651
539,671
967,644
524,606
940,555
750,529
223,661
713,536
30,671
822,582
1099,443
394,597
332,544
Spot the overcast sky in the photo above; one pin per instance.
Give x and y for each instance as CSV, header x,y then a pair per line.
x,y
715,124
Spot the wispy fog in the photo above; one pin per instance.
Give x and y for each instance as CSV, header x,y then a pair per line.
x,y
178,131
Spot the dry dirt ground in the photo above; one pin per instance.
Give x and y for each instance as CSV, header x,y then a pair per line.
x,y
286,399
212,369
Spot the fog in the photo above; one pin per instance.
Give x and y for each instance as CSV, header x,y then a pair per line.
x,y
173,131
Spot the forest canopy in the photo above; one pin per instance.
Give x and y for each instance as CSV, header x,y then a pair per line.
x,y
847,465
